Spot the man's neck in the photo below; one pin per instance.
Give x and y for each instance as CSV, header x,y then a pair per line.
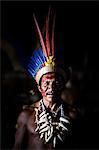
x,y
48,104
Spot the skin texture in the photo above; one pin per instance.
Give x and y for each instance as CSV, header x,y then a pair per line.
x,y
26,125
50,88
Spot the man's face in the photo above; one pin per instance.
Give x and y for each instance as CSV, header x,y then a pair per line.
x,y
51,86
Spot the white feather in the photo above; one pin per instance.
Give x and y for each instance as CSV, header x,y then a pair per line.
x,y
43,126
60,137
44,112
41,136
37,129
49,137
61,125
64,120
44,130
54,141
45,136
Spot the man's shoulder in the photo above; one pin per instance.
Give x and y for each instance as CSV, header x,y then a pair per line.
x,y
30,108
26,112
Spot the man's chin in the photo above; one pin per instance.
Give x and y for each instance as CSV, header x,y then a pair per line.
x,y
49,98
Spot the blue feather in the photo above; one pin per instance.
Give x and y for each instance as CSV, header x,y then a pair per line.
x,y
42,55
40,59
35,63
31,72
30,66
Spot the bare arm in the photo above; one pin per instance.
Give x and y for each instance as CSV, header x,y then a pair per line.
x,y
21,129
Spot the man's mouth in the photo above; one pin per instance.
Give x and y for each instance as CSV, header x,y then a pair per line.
x,y
49,93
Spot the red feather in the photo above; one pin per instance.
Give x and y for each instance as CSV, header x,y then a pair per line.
x,y
53,35
40,36
47,36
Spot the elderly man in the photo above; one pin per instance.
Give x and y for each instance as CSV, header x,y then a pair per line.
x,y
46,124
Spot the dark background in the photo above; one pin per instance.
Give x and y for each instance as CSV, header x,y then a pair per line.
x,y
76,35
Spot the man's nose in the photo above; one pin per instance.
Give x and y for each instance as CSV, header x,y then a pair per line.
x,y
51,86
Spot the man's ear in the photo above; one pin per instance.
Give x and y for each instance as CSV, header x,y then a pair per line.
x,y
39,88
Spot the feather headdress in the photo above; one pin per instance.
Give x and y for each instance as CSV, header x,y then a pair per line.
x,y
43,59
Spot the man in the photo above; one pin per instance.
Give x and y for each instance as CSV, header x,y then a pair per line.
x,y
44,125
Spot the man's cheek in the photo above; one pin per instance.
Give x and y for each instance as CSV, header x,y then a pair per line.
x,y
43,93
58,90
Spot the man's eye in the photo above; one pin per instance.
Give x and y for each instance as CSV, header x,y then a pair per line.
x,y
45,84
57,82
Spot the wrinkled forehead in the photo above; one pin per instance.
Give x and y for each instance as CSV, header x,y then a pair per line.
x,y
51,76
